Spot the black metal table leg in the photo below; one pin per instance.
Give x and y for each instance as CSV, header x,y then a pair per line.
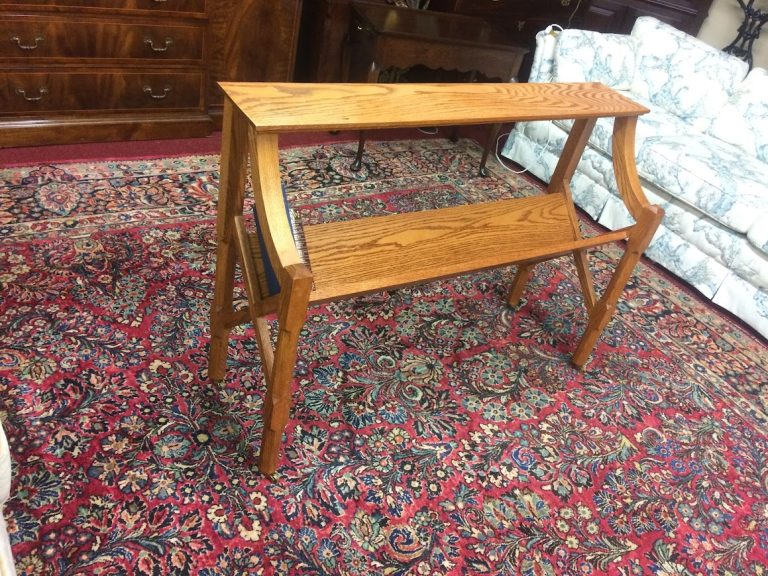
x,y
358,163
493,134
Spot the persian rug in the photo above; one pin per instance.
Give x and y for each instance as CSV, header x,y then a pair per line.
x,y
434,430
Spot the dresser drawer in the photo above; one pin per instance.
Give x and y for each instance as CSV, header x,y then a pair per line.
x,y
61,38
187,6
33,92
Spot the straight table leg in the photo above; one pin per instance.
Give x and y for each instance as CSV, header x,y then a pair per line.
x,y
569,159
519,283
490,144
292,313
585,279
358,163
231,195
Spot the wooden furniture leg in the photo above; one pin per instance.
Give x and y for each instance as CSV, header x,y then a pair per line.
x,y
559,184
569,160
231,196
585,279
358,163
602,312
647,219
288,304
564,172
239,143
490,144
519,283
277,364
292,301
296,286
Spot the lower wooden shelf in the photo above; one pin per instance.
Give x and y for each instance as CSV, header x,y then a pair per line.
x,y
385,252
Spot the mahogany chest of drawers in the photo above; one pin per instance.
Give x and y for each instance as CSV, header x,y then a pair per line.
x,y
98,70
80,70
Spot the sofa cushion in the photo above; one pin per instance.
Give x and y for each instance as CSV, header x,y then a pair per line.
x,y
657,122
743,121
586,56
758,236
749,303
710,175
682,74
715,240
710,238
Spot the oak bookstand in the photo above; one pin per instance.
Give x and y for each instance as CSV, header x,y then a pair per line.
x,y
346,259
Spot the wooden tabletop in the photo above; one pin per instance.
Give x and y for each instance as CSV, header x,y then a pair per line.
x,y
296,107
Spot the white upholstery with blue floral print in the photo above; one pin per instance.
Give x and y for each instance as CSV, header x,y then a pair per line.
x,y
758,236
657,122
6,557
743,121
682,74
701,154
586,56
714,177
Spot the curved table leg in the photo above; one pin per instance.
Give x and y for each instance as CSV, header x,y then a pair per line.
x,y
602,312
647,219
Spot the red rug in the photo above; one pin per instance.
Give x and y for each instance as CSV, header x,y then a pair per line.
x,y
434,430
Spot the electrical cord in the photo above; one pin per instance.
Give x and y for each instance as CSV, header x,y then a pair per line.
x,y
570,18
552,30
544,148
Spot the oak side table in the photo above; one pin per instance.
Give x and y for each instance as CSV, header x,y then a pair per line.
x,y
345,259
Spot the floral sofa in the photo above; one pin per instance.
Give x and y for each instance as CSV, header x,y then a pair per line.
x,y
6,559
702,153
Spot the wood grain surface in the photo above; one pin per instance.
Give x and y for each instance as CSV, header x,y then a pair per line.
x,y
292,107
385,252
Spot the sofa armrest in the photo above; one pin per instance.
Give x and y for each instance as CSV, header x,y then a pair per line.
x,y
543,66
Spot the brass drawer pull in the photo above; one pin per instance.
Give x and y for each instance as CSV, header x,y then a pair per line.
x,y
38,40
148,90
151,43
41,92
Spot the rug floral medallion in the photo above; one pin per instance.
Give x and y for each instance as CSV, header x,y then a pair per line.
x,y
434,431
